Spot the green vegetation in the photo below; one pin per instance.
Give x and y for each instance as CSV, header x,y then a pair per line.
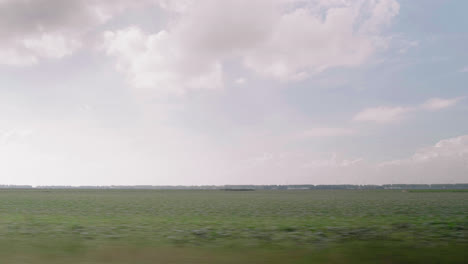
x,y
196,226
440,190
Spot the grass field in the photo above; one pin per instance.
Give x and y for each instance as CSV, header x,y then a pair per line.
x,y
296,226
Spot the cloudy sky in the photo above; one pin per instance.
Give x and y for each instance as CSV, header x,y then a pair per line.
x,y
111,92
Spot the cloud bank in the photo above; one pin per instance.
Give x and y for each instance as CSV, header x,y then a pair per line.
x,y
280,40
444,162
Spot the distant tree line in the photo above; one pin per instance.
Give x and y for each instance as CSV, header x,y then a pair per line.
x,y
349,186
254,187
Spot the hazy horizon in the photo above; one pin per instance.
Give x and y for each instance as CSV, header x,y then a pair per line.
x,y
161,92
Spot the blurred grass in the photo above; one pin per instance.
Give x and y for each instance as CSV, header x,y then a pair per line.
x,y
319,226
356,252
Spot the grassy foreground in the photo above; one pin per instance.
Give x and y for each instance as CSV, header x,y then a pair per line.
x,y
149,226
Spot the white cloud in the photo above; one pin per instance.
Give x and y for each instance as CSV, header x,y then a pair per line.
x,y
382,114
390,114
465,69
41,29
440,103
444,162
319,36
447,149
51,45
279,39
157,61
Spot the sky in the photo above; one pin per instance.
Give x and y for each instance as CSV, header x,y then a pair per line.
x,y
161,92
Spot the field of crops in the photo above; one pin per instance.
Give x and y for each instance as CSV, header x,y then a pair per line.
x,y
295,226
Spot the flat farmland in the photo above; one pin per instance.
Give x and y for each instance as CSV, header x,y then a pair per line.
x,y
215,226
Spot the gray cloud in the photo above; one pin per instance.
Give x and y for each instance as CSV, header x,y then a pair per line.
x,y
35,29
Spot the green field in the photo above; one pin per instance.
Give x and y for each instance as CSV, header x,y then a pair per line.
x,y
296,226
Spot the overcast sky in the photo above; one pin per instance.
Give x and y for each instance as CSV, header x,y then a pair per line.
x,y
112,92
